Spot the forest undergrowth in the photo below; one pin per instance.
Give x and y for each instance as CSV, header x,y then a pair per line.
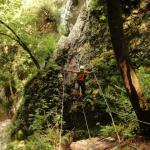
x,y
31,88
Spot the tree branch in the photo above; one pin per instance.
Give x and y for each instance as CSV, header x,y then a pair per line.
x,y
1,33
21,43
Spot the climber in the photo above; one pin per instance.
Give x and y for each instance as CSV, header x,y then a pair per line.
x,y
80,80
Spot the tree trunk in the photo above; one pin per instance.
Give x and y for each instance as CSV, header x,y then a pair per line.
x,y
122,56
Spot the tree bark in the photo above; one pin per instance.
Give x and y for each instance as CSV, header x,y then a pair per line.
x,y
128,74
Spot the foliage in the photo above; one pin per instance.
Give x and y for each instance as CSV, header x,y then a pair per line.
x,y
136,31
144,79
37,122
63,30
36,115
25,27
129,5
107,131
16,64
47,140
123,130
97,7
105,69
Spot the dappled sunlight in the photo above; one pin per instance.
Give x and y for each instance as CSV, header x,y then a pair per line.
x,y
144,27
28,2
135,42
73,70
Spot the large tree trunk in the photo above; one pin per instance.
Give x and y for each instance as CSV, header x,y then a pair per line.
x,y
122,56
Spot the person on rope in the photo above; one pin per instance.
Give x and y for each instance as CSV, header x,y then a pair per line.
x,y
80,80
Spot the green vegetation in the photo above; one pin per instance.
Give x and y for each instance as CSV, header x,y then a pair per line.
x,y
16,65
32,96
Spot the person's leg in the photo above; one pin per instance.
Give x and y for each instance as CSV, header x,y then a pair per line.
x,y
78,87
83,88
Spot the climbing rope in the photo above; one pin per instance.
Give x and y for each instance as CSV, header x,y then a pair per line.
x,y
93,144
101,92
86,121
83,106
62,107
109,110
100,89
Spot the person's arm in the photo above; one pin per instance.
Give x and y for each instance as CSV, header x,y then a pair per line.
x,y
88,72
72,71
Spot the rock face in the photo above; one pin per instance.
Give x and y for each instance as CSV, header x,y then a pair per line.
x,y
4,135
69,11
110,144
87,37
93,144
71,45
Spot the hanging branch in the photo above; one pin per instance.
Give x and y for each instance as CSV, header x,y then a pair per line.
x,y
21,43
1,33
